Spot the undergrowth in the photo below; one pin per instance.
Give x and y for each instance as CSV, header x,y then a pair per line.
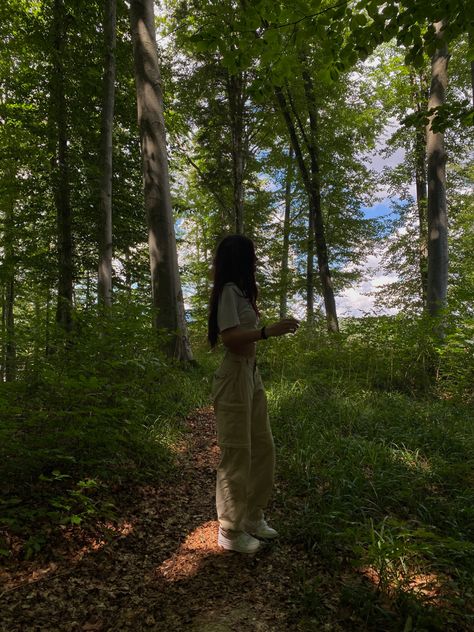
x,y
84,421
374,434
375,446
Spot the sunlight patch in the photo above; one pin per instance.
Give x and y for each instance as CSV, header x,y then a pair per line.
x,y
411,459
426,585
187,560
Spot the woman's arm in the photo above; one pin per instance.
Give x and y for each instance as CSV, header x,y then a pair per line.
x,y
236,337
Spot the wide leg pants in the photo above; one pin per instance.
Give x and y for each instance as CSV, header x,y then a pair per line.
x,y
245,473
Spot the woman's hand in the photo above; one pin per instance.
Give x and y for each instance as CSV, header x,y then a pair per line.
x,y
282,327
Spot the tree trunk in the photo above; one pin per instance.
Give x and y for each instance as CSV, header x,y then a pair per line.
x,y
236,97
4,334
470,38
167,296
61,170
37,331
420,98
9,280
286,237
88,289
310,268
47,336
104,286
437,213
312,187
10,350
128,273
319,229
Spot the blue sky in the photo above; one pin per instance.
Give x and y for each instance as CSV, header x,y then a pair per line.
x,y
381,209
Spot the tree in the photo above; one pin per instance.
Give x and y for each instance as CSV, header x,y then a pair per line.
x,y
436,159
104,288
286,237
60,166
311,179
166,288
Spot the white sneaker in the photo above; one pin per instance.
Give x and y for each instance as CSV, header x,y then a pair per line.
x,y
242,543
262,530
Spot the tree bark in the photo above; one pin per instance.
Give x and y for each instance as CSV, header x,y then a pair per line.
x,y
10,350
286,237
420,98
4,334
470,38
437,212
167,296
310,267
8,317
37,331
236,98
104,285
60,170
48,349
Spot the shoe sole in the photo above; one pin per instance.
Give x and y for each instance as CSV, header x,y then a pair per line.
x,y
232,547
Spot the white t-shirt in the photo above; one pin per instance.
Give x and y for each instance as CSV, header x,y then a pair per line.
x,y
235,309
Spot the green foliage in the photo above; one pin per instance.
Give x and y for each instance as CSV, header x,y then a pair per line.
x,y
374,432
79,422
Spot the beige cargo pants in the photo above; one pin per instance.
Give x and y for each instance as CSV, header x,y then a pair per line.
x,y
246,469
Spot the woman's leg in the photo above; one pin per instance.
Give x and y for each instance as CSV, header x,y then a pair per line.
x,y
262,459
231,488
232,405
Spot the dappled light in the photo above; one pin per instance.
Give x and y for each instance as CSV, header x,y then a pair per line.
x,y
413,459
428,586
187,560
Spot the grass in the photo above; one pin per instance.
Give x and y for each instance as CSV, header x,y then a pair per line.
x,y
106,413
378,481
374,434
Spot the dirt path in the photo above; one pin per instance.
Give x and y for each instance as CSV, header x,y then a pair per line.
x,y
162,570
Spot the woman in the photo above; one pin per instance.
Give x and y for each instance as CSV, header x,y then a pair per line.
x,y
246,469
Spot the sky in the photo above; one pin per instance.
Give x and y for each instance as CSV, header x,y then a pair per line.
x,y
356,301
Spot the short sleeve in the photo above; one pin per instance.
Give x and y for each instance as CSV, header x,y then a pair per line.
x,y
227,312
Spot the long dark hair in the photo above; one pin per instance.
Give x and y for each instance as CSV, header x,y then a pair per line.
x,y
234,261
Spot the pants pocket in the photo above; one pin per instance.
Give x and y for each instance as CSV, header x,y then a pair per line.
x,y
226,383
233,424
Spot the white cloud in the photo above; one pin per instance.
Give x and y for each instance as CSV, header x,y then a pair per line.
x,y
355,301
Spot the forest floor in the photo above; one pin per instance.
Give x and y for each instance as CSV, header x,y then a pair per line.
x,y
161,568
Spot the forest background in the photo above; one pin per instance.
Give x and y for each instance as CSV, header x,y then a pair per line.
x,y
259,118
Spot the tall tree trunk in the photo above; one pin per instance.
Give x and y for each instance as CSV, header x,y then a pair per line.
x,y
47,335
104,286
420,98
128,272
236,98
10,351
319,229
61,169
4,334
310,268
470,39
311,183
437,213
166,286
37,332
88,289
9,279
286,237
